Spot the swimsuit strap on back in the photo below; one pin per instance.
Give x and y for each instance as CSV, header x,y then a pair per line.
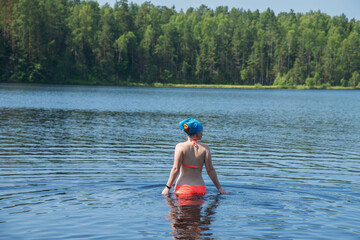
x,y
189,166
194,140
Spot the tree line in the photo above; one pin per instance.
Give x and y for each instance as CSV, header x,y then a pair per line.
x,y
76,41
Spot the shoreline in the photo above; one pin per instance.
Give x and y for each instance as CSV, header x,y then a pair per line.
x,y
176,85
257,86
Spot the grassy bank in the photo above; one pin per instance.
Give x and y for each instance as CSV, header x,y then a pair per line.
x,y
97,82
257,86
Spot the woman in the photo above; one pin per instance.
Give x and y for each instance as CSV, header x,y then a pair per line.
x,y
190,156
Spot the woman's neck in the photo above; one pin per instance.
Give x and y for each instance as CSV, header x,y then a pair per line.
x,y
194,140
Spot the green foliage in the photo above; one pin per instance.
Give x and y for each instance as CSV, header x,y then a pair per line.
x,y
317,80
244,75
258,85
310,82
66,41
343,82
290,83
280,80
325,86
354,80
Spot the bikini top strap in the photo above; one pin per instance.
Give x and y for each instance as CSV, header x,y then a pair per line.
x,y
194,140
190,166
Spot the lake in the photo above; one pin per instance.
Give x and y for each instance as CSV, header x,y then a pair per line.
x,y
89,162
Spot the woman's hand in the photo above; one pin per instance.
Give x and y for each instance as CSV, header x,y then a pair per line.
x,y
166,191
222,191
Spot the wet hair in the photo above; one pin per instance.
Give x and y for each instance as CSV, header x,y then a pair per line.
x,y
186,128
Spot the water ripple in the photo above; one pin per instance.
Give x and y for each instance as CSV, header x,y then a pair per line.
x,y
71,170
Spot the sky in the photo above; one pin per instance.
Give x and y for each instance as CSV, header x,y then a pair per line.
x,y
351,8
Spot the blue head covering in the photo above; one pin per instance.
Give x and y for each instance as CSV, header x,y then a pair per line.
x,y
194,126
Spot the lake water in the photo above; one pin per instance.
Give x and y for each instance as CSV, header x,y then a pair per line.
x,y
80,162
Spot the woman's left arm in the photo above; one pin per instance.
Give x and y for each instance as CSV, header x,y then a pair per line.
x,y
178,156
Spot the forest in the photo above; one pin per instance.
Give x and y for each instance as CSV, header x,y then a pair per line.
x,y
81,42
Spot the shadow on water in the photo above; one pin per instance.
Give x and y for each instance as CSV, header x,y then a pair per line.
x,y
191,216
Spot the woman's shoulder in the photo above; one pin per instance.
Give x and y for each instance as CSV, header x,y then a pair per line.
x,y
185,145
180,145
205,146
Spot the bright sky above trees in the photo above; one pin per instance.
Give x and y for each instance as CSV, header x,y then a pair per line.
x,y
351,8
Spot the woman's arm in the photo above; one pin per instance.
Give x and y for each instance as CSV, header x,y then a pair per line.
x,y
211,172
178,157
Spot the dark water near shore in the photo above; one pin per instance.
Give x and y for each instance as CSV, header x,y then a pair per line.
x,y
79,162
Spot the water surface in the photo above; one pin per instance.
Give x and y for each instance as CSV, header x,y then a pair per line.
x,y
80,162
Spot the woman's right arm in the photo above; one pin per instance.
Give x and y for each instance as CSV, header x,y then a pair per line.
x,y
178,156
211,171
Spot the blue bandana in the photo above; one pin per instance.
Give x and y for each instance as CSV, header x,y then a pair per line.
x,y
194,126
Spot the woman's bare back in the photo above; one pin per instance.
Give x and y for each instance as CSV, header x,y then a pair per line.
x,y
193,159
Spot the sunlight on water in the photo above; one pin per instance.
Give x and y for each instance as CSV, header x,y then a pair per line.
x,y
90,162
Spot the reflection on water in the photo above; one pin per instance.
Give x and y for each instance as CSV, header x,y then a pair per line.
x,y
90,162
191,216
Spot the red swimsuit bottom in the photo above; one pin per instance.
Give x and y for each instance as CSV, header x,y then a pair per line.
x,y
190,190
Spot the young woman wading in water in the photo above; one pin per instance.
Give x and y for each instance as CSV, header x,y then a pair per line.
x,y
189,159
